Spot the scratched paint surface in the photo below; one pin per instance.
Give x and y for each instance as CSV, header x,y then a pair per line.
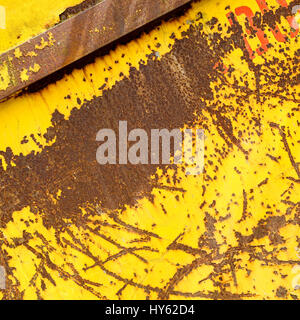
x,y
71,228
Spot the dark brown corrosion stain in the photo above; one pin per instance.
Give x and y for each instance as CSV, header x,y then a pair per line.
x,y
71,11
268,20
162,94
151,98
271,18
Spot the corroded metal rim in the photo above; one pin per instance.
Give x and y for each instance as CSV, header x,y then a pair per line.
x,y
76,38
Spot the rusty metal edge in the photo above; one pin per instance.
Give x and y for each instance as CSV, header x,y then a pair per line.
x,y
77,37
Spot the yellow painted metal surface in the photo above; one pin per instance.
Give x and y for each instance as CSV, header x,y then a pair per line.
x,y
26,19
230,233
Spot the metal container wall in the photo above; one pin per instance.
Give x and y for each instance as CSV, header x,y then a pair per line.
x,y
71,228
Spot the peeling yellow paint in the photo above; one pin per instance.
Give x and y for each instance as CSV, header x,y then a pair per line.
x,y
31,54
42,45
46,43
24,75
18,53
26,19
35,68
4,77
183,220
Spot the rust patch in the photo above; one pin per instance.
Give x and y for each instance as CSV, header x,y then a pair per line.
x,y
71,160
166,93
154,97
71,11
75,38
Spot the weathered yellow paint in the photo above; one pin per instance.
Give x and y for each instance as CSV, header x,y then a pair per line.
x,y
36,67
4,76
135,52
46,43
31,114
18,53
26,19
24,75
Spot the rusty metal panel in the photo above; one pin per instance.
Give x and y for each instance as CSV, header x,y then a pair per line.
x,y
71,227
76,37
